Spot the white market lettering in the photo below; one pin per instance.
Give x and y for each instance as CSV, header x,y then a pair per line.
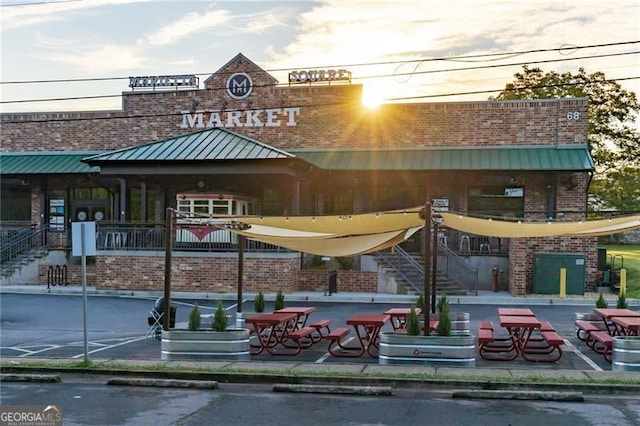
x,y
163,81
272,117
312,76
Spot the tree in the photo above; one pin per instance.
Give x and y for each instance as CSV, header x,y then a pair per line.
x,y
614,141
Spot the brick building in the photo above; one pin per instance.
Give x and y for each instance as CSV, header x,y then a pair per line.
x,y
306,148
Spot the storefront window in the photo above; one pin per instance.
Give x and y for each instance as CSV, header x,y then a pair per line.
x,y
497,201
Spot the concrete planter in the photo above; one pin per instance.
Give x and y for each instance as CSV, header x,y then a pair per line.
x,y
626,353
398,348
205,345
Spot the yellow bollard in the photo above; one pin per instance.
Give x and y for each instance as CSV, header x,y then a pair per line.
x,y
393,249
623,280
563,283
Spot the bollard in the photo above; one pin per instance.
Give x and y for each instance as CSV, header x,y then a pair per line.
x,y
623,280
563,283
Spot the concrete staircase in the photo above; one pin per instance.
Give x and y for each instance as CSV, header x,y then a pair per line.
x,y
408,271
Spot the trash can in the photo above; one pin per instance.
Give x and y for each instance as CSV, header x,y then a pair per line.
x,y
158,309
333,282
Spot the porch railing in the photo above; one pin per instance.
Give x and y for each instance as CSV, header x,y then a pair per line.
x,y
151,237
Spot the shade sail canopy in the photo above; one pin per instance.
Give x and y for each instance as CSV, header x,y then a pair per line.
x,y
336,246
338,235
350,235
507,229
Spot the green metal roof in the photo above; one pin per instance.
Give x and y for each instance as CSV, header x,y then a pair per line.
x,y
46,162
205,145
565,157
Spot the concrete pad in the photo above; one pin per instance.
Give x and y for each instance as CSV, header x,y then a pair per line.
x,y
399,369
132,363
214,365
163,383
272,366
31,378
333,368
615,375
349,390
552,374
473,372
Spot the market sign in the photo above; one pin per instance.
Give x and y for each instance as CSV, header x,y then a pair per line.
x,y
318,76
153,81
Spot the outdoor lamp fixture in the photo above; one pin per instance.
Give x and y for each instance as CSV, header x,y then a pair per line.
x,y
239,226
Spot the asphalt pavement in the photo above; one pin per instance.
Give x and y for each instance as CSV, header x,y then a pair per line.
x,y
139,351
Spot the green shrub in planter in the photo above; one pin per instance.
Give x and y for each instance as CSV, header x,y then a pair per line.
x,y
420,302
279,303
601,302
444,321
413,325
622,301
194,318
258,302
220,319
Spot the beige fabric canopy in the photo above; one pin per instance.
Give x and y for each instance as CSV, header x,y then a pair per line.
x,y
349,235
507,229
337,235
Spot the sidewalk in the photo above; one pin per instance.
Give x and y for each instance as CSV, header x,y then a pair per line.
x,y
484,297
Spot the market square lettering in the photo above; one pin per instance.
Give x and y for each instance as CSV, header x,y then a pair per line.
x,y
271,117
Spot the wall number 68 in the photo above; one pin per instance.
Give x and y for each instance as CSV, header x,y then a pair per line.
x,y
575,115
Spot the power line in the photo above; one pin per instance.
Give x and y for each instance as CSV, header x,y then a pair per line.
x,y
360,78
446,59
172,114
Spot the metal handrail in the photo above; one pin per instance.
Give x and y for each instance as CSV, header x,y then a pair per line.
x,y
419,268
458,270
22,242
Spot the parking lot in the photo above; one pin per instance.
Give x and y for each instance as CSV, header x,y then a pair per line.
x,y
51,326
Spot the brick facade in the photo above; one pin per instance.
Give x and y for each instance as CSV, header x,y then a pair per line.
x,y
325,117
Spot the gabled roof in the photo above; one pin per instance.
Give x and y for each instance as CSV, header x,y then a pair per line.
x,y
247,66
539,157
207,145
46,162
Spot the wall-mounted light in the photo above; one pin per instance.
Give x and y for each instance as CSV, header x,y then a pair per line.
x,y
571,182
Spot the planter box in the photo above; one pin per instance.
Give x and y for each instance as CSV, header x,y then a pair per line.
x,y
205,345
626,353
397,348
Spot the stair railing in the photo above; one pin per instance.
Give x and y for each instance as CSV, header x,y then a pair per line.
x,y
410,260
16,246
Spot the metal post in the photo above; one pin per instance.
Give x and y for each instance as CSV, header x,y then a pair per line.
x,y
168,246
427,264
84,293
434,269
240,270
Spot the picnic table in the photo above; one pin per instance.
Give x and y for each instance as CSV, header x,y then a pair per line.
x,y
272,330
607,314
521,329
520,312
398,317
367,328
626,326
302,313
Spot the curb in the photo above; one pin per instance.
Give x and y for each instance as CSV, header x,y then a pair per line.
x,y
521,395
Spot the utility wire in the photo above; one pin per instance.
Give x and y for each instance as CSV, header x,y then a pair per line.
x,y
360,78
399,62
121,115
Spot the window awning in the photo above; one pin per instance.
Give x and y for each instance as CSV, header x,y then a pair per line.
x,y
46,162
516,158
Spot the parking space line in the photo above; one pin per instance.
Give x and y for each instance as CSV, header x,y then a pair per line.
x,y
327,354
583,356
112,346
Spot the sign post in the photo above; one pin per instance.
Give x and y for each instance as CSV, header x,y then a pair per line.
x,y
83,243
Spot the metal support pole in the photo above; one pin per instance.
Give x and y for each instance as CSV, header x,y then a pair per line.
x,y
434,268
168,247
240,271
427,264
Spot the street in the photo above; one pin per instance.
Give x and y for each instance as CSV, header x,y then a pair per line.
x,y
87,400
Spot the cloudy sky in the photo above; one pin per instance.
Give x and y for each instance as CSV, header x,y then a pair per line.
x,y
397,49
